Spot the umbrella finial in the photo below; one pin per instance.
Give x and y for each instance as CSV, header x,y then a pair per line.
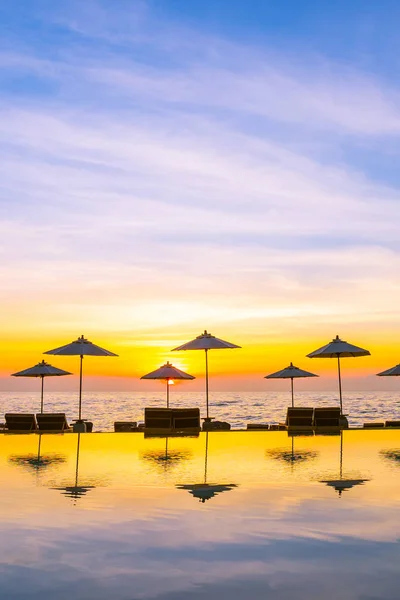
x,y
337,339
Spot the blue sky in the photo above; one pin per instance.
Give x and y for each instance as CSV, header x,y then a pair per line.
x,y
186,163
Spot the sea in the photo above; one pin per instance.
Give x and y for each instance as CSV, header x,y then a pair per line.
x,y
237,408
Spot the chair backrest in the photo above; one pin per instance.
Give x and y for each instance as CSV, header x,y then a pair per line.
x,y
171,418
186,418
52,421
326,417
158,418
299,416
20,422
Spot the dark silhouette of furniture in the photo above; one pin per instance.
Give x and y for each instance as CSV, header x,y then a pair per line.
x,y
21,422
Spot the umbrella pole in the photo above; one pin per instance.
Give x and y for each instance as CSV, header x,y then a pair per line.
x,y
206,459
41,397
207,381
80,390
291,384
340,384
167,393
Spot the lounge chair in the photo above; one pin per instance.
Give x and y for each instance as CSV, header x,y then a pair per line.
x,y
393,424
52,422
170,420
372,425
327,420
257,426
299,419
21,422
124,426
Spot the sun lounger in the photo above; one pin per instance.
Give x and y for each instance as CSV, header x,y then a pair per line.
x,y
257,426
326,419
392,424
299,419
52,422
20,422
124,426
375,425
164,420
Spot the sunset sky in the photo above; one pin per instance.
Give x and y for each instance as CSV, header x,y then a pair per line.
x,y
170,166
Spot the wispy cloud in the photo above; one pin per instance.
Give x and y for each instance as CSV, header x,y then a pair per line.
x,y
226,179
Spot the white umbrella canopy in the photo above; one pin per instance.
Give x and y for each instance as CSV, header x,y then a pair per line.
x,y
291,372
338,348
80,347
205,341
168,373
393,372
42,370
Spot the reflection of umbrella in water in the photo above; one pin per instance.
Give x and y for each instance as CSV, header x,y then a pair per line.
x,y
167,373
75,491
206,342
341,484
206,491
338,348
42,370
293,457
37,462
291,372
81,347
392,454
167,459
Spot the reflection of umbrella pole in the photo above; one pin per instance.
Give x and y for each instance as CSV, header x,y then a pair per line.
x,y
291,382
80,390
77,460
340,384
341,454
167,393
41,398
207,380
206,459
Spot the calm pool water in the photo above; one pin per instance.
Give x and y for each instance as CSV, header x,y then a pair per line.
x,y
225,515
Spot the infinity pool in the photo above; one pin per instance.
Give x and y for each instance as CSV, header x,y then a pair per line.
x,y
225,515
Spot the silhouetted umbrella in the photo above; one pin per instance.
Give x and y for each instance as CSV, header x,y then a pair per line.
x,y
81,347
342,484
206,491
42,370
75,491
291,372
206,342
167,373
338,348
393,372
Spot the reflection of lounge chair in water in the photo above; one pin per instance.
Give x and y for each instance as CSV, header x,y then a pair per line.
x,y
37,462
206,491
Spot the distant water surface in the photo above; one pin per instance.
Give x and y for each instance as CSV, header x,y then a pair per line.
x,y
238,408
